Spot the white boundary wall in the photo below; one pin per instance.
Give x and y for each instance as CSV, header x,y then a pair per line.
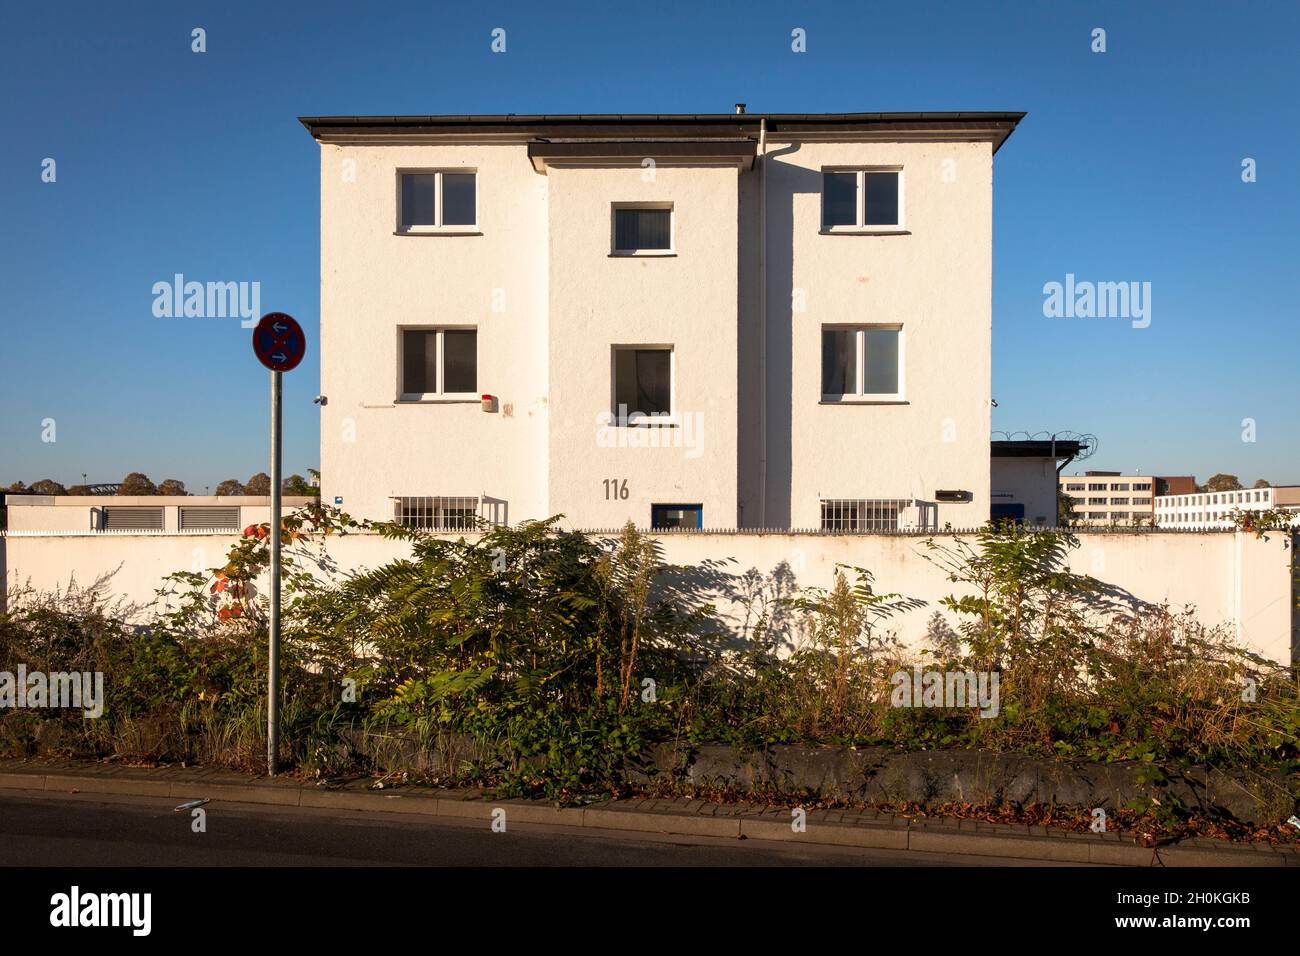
x,y
1232,578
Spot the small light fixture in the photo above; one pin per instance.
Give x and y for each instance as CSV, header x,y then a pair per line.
x,y
489,403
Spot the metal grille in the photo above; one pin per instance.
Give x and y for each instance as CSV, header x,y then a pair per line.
x,y
863,514
127,518
210,518
438,514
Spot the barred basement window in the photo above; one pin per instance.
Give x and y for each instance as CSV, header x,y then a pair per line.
x,y
438,514
209,518
127,518
862,514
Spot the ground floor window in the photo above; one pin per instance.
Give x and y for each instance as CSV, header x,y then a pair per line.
x,y
676,516
862,514
437,513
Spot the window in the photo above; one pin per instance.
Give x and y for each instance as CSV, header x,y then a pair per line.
x,y
862,362
437,514
437,200
862,200
1074,487
1094,486
1119,501
1096,501
676,516
862,514
643,384
1119,487
1142,486
643,230
439,364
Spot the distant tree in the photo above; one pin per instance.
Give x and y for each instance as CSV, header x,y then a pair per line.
x,y
1261,483
1222,482
79,490
230,487
259,484
48,486
17,488
137,484
297,485
1065,513
172,486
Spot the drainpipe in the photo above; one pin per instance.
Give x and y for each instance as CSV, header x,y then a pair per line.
x,y
762,323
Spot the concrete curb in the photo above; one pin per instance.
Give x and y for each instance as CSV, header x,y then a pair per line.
x,y
685,817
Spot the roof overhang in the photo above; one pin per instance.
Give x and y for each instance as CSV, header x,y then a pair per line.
x,y
991,127
1059,449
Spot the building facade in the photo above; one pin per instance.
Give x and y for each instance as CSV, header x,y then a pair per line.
x,y
1212,509
1111,497
706,321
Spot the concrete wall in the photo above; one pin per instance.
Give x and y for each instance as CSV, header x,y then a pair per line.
x,y
82,512
1232,578
1026,481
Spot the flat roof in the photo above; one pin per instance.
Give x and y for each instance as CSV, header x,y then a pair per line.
x,y
1061,448
991,125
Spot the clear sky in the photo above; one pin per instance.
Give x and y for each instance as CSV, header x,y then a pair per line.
x,y
1128,168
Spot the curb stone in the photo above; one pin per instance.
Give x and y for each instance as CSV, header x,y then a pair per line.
x,y
684,817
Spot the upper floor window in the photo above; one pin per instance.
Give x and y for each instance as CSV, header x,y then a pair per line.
x,y
437,201
862,362
439,364
643,229
862,200
643,384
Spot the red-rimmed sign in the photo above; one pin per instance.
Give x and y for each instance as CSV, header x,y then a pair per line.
x,y
279,342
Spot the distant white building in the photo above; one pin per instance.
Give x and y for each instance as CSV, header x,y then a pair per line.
x,y
1210,509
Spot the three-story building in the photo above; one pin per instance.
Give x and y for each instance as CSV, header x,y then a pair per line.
x,y
702,321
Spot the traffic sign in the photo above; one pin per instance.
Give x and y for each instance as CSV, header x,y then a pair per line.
x,y
279,342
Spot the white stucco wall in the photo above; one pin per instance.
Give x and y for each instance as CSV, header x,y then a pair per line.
x,y
935,280
373,282
687,301
1026,481
1232,578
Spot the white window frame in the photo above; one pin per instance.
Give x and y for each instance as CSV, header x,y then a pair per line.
x,y
647,421
615,251
437,229
860,227
860,397
439,395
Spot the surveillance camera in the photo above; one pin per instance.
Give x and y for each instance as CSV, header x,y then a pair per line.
x,y
320,400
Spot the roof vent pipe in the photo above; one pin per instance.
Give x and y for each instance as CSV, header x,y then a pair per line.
x,y
740,108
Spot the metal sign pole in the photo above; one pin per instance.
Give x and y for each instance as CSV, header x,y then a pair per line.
x,y
273,654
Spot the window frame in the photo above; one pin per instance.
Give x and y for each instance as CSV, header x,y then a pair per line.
x,y
439,396
617,253
658,508
437,228
648,421
860,397
860,226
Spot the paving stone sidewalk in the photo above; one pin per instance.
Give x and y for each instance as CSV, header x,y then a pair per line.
x,y
849,828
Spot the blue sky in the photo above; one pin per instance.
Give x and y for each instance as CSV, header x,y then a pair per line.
x,y
1128,168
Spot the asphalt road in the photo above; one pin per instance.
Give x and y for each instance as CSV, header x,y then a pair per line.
x,y
54,829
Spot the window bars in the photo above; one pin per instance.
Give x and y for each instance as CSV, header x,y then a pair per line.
x,y
871,514
438,513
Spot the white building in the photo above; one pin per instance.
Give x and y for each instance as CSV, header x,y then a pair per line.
x,y
1111,497
1211,509
713,321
